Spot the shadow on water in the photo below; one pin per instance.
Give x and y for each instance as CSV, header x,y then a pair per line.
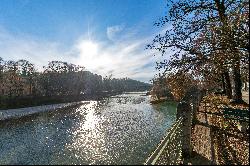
x,y
123,129
166,107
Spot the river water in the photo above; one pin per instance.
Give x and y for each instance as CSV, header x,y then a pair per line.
x,y
122,129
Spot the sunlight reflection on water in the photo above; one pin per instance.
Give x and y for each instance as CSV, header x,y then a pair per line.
x,y
122,129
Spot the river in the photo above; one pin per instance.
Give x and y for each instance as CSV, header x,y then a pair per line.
x,y
122,129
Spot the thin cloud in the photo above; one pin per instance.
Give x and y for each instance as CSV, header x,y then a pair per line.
x,y
121,59
128,59
113,31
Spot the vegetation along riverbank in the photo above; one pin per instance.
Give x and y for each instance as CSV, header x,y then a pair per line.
x,y
22,85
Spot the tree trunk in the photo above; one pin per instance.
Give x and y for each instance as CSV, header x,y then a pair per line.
x,y
228,85
223,83
237,95
30,89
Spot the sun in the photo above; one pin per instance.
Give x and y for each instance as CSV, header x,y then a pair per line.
x,y
88,48
94,57
88,53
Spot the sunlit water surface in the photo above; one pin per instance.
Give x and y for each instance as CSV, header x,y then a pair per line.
x,y
123,129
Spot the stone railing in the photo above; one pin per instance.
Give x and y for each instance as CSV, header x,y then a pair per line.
x,y
176,145
168,152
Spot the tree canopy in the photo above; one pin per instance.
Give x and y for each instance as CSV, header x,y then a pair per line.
x,y
207,38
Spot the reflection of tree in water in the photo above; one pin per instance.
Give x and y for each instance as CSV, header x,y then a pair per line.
x,y
123,100
130,99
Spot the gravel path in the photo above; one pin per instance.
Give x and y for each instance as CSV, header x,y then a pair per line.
x,y
245,96
218,146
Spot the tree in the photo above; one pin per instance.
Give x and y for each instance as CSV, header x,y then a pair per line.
x,y
179,84
60,81
1,76
201,35
27,71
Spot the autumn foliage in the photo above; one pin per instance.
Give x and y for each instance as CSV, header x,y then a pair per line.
x,y
209,39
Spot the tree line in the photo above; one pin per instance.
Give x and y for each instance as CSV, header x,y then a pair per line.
x,y
20,79
207,39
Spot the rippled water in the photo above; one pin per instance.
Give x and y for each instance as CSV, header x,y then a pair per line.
x,y
123,129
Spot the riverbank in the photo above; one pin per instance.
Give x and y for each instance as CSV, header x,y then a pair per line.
x,y
30,101
20,112
52,105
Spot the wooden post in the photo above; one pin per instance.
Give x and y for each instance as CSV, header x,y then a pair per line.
x,y
184,110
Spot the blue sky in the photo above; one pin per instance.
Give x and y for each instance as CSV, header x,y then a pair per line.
x,y
105,36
